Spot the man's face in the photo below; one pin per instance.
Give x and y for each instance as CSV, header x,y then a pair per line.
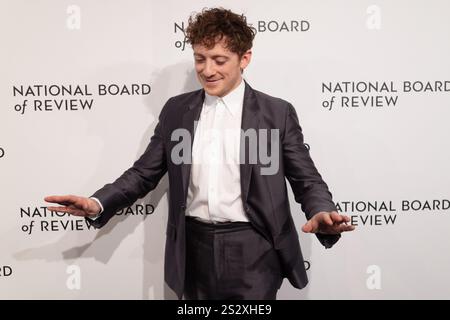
x,y
218,69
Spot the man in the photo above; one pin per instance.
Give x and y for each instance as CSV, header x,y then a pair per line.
x,y
230,233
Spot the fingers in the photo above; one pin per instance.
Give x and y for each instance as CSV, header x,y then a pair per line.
x,y
339,218
74,205
64,200
339,228
307,227
328,223
345,228
311,226
336,217
327,219
323,218
69,210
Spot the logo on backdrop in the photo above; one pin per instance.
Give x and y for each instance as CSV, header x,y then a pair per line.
x,y
373,21
282,26
373,281
358,95
40,219
73,21
69,97
2,152
261,26
73,281
5,271
389,212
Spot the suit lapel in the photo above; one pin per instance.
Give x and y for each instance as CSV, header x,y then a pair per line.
x,y
190,117
250,120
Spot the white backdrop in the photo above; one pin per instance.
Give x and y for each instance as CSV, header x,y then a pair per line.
x,y
383,152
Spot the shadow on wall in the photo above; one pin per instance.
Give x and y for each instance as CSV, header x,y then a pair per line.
x,y
108,239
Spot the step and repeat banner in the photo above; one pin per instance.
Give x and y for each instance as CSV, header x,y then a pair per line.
x,y
81,89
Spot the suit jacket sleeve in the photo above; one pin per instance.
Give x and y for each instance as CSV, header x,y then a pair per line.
x,y
307,184
138,180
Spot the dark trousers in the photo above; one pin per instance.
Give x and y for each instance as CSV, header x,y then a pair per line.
x,y
229,261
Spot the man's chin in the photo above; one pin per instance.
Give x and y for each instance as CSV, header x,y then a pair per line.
x,y
212,92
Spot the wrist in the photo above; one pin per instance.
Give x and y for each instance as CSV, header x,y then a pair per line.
x,y
97,206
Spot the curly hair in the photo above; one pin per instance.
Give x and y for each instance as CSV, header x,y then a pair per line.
x,y
211,25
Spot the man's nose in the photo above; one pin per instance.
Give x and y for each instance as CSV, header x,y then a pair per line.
x,y
209,69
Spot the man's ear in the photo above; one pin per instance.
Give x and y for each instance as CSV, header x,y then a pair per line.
x,y
245,59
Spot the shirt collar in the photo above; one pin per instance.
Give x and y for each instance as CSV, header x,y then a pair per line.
x,y
233,100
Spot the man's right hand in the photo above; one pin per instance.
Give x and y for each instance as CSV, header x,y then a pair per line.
x,y
77,206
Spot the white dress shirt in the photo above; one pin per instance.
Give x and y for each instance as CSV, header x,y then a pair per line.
x,y
214,193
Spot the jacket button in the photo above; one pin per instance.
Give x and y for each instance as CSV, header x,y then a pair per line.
x,y
247,209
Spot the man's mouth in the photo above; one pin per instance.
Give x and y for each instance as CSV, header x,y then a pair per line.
x,y
212,80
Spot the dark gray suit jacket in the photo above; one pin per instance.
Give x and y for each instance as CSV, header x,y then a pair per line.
x,y
264,197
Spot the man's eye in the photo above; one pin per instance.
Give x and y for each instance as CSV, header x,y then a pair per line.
x,y
220,62
199,60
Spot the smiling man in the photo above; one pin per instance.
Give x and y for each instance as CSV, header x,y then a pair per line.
x,y
218,69
230,232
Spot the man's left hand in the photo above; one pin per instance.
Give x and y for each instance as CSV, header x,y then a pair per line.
x,y
328,223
